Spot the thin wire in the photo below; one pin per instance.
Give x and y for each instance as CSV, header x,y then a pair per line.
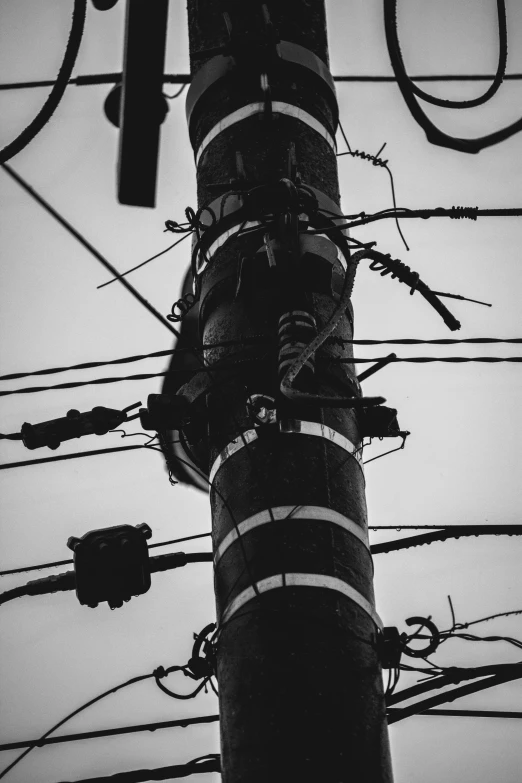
x,y
455,213
88,80
87,245
68,717
75,455
59,86
42,566
209,763
454,531
255,339
425,359
147,261
167,724
376,162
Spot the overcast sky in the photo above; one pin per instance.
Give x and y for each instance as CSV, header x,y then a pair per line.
x,y
460,464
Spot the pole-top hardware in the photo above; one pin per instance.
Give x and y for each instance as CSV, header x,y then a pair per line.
x,y
164,412
111,564
202,662
389,647
423,622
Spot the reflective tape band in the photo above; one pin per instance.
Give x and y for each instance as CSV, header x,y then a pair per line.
x,y
301,580
282,513
220,241
297,427
238,443
278,107
288,427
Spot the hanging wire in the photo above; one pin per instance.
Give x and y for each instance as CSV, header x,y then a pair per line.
x,y
59,86
376,161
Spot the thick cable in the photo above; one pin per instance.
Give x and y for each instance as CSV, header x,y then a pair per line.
x,y
433,134
255,339
88,80
75,455
454,213
456,531
497,80
59,86
166,724
209,763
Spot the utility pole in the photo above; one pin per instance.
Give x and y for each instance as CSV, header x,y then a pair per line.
x,y
300,686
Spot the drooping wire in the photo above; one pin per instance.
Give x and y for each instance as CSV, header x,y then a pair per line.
x,y
58,89
176,94
157,672
494,86
376,161
434,134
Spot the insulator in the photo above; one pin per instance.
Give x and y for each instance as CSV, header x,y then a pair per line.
x,y
297,329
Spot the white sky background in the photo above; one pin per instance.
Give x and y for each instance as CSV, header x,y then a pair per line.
x,y
459,465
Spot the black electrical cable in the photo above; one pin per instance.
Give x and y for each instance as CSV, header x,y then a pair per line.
x,y
433,134
256,339
89,703
453,675
425,359
209,763
474,713
497,80
456,531
88,80
41,566
59,86
395,715
166,724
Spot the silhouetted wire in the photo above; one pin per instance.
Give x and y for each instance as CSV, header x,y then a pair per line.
x,y
457,693
425,359
59,86
376,161
182,696
473,713
256,339
497,80
452,531
88,80
433,134
89,703
11,436
167,724
75,455
176,94
87,245
147,261
209,763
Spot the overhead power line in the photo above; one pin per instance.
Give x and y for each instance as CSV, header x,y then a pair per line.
x,y
185,78
210,763
165,724
456,531
75,455
147,376
156,354
454,213
87,245
473,713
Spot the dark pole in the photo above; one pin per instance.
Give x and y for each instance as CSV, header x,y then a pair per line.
x,y
300,684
